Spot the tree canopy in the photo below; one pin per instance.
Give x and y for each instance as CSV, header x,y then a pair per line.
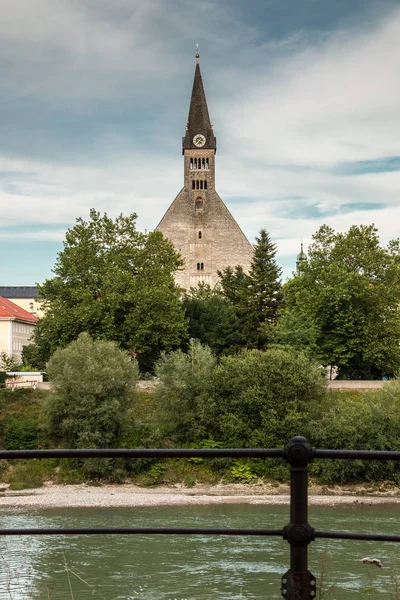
x,y
255,296
250,399
116,284
93,383
344,303
212,319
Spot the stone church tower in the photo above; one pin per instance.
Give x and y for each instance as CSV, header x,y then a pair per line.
x,y
198,223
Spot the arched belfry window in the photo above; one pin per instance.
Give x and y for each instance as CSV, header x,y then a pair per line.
x,y
205,185
199,204
200,235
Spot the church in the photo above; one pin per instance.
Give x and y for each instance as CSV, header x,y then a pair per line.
x,y
198,223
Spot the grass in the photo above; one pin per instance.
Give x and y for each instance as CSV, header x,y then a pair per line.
x,y
29,474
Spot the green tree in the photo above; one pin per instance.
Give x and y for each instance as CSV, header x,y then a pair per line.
x,y
253,399
256,296
234,284
183,392
116,284
264,295
344,304
262,397
93,383
212,319
362,421
8,362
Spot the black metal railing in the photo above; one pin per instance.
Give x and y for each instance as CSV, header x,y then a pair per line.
x,y
297,583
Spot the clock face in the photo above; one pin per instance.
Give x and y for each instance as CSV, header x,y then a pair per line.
x,y
199,140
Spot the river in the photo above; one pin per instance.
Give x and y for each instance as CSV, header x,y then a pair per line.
x,y
189,568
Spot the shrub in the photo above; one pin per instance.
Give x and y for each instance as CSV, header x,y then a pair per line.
x,y
361,421
184,391
93,386
261,398
253,399
21,433
30,474
241,471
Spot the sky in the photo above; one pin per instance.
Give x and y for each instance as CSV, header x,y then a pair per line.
x,y
304,96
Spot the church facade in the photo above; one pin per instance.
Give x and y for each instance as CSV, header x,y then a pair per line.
x,y
198,223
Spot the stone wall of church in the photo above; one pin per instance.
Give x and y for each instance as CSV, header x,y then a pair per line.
x,y
206,235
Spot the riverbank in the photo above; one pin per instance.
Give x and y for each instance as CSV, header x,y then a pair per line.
x,y
109,496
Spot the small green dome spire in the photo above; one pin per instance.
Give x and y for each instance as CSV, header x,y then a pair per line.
x,y
301,257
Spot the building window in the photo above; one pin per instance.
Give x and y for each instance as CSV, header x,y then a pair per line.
x,y
200,266
199,184
207,163
199,204
200,235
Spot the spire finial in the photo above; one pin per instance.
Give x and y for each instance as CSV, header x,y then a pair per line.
x,y
197,54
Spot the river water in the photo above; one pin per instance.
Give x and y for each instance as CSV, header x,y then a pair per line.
x,y
189,568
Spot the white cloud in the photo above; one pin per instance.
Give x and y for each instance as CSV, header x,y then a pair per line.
x,y
333,102
285,113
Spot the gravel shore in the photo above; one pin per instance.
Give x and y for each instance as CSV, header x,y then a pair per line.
x,y
86,496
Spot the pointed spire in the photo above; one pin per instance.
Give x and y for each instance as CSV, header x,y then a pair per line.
x,y
199,120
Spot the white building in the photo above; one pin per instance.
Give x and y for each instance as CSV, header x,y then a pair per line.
x,y
16,327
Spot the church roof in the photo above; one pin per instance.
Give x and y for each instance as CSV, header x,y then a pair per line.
x,y
9,310
199,119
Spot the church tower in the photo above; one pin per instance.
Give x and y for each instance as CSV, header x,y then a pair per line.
x,y
198,223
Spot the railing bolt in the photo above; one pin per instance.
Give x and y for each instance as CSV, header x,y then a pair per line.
x,y
284,581
312,593
313,582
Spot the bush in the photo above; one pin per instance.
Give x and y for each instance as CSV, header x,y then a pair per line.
x,y
361,421
93,386
253,399
21,433
184,392
241,471
30,474
261,398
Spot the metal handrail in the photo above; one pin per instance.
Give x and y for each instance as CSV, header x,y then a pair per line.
x,y
297,583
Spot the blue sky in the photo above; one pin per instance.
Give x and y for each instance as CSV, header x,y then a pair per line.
x,y
304,96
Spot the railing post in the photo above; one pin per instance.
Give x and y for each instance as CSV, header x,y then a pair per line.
x,y
298,583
